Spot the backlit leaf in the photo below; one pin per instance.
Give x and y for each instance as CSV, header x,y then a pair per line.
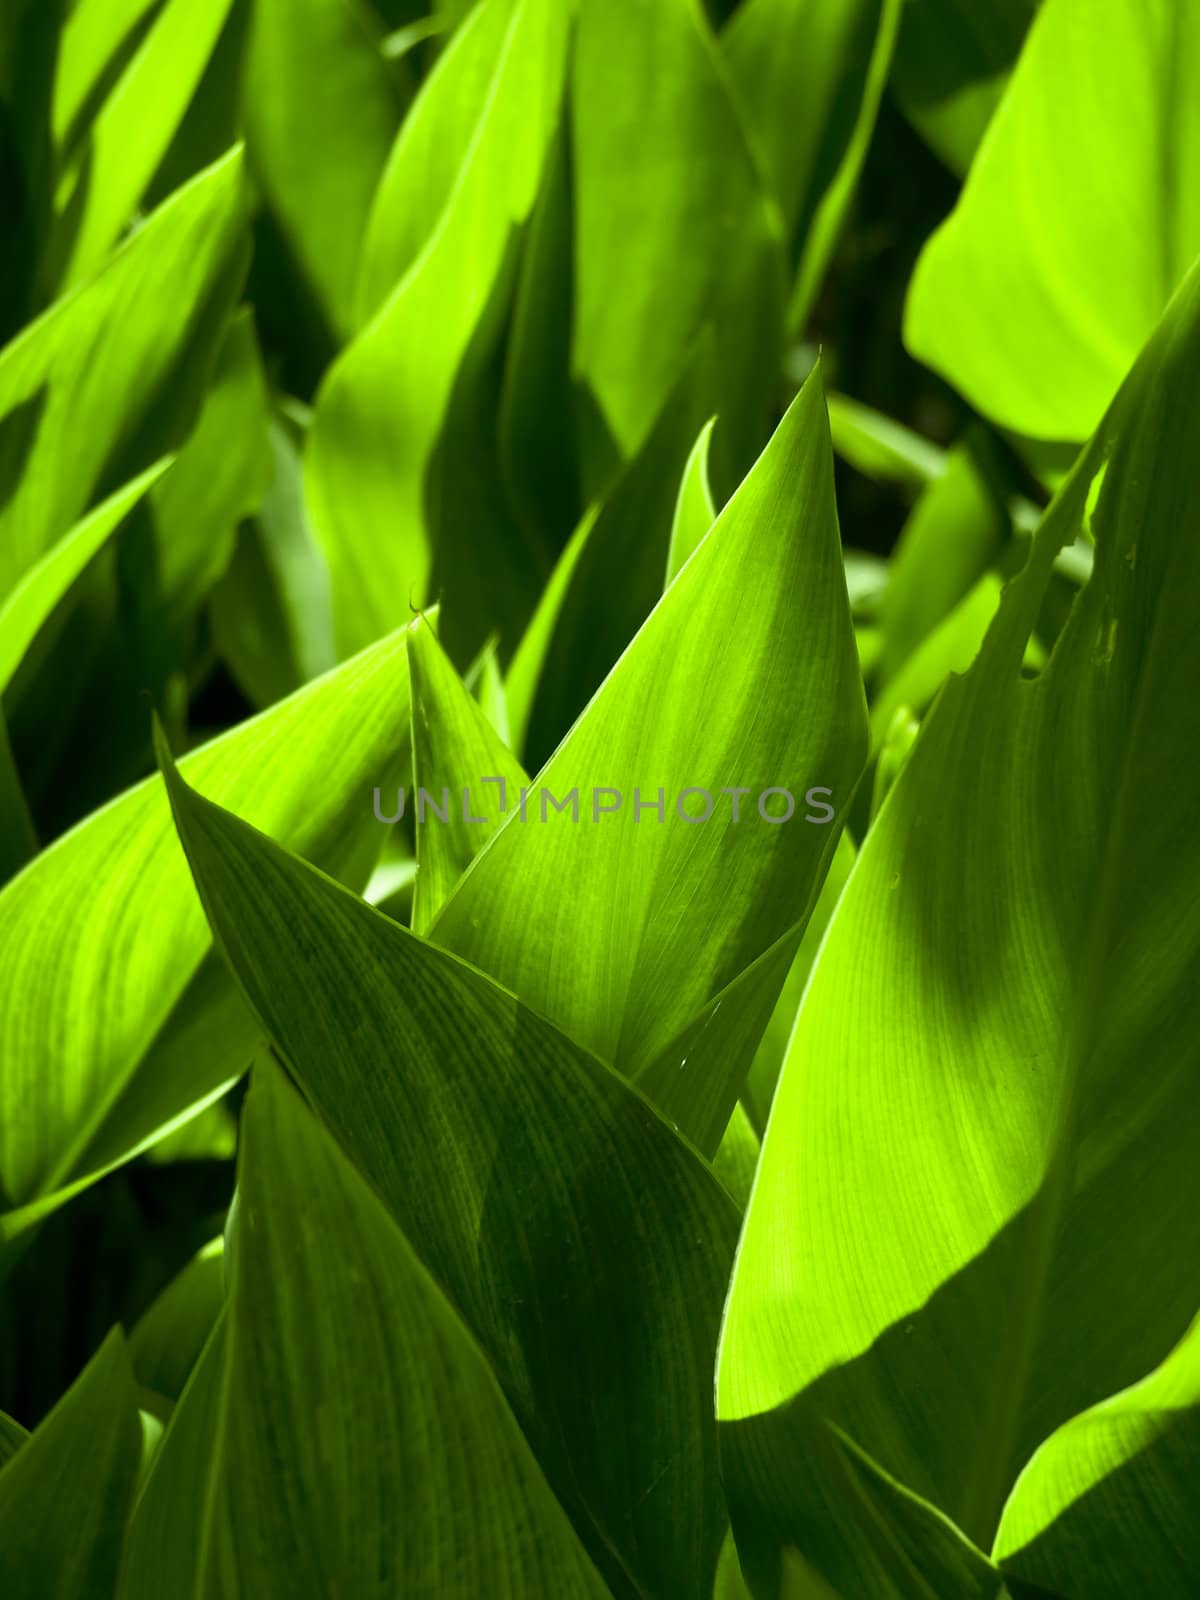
x,y
584,1245
1078,220
618,924
989,1110
112,1023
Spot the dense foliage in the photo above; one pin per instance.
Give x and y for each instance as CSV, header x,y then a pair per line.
x,y
599,868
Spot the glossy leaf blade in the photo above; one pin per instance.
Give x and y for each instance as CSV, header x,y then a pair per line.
x,y
1078,220
101,936
78,382
694,509
132,131
990,1106
1104,1509
585,1246
460,768
381,410
399,1470
657,137
621,926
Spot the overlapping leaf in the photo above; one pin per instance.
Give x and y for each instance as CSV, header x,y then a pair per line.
x,y
811,74
321,109
110,167
383,407
674,231
1105,1509
952,65
1078,220
953,535
272,615
989,1112
584,1245
426,161
401,1470
624,926
34,597
113,1023
167,1342
77,387
66,1492
609,576
464,777
694,509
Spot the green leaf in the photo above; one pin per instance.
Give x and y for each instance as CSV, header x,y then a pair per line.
x,y
381,410
36,594
814,1515
810,75
167,1342
1077,222
866,581
952,66
98,37
12,1437
1105,1507
673,230
102,939
402,41
545,1196
1020,929
428,156
736,1159
898,740
77,384
949,647
173,552
695,512
881,448
321,109
209,1135
272,614
696,1076
461,766
111,168
772,1046
528,677
220,477
443,1496
65,1494
610,575
166,1530
168,556
486,682
623,930
954,534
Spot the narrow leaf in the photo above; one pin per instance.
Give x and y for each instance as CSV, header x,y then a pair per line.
x,y
622,924
401,1470
66,1492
